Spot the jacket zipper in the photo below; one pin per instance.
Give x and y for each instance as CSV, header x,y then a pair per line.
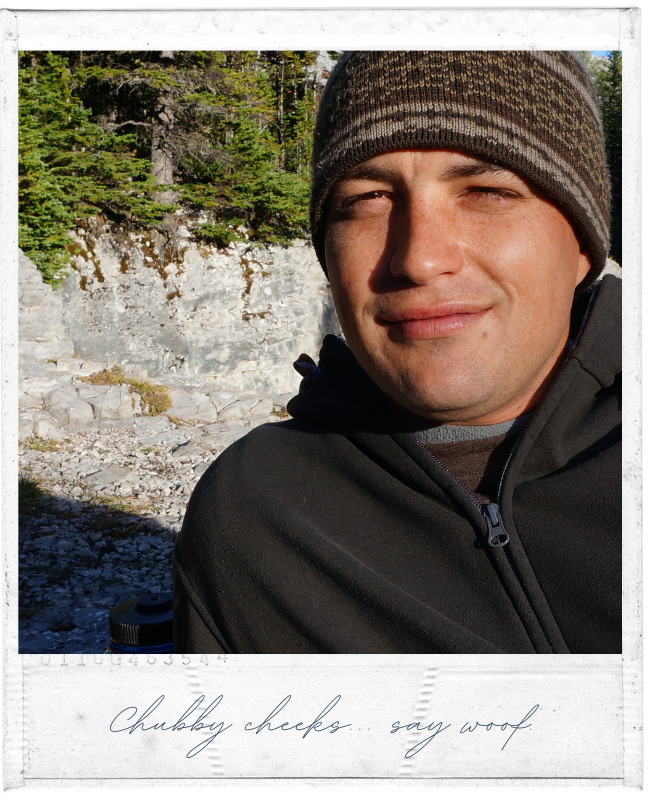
x,y
497,535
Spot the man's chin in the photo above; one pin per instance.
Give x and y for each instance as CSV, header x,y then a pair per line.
x,y
438,409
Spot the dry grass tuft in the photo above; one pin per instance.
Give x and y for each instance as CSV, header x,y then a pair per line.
x,y
156,397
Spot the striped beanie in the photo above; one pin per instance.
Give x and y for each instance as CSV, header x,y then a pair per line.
x,y
533,112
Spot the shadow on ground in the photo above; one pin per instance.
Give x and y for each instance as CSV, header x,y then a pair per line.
x,y
77,559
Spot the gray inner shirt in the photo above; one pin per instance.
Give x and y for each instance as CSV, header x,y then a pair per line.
x,y
444,434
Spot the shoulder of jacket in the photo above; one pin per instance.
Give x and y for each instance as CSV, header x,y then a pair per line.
x,y
264,445
599,349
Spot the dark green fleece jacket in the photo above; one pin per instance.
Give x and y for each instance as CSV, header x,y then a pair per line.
x,y
333,533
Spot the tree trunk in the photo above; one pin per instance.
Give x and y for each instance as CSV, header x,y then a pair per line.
x,y
162,132
281,111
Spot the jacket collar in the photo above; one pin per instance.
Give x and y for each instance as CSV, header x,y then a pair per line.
x,y
598,347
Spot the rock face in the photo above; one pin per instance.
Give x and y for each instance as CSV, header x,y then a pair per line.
x,y
42,332
239,318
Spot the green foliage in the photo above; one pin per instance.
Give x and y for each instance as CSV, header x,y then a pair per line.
x,y
44,215
250,195
69,168
156,397
111,376
134,135
254,182
606,73
235,128
609,83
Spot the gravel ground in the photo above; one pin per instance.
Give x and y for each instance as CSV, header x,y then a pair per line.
x,y
98,515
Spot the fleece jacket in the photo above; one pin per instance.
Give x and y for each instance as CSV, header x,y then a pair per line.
x,y
333,532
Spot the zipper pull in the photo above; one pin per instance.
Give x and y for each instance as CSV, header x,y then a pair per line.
x,y
497,534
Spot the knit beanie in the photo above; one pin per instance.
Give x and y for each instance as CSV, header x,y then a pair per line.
x,y
535,113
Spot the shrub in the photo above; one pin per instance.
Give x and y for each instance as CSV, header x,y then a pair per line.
x,y
111,376
156,397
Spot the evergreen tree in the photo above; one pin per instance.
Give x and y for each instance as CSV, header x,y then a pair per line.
x,y
44,218
611,96
606,73
152,95
134,136
69,169
222,131
292,74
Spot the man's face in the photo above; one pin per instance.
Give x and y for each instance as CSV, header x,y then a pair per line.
x,y
453,281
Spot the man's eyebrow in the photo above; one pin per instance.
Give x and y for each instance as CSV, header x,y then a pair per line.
x,y
369,172
472,170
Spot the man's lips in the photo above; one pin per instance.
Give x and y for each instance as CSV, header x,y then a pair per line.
x,y
430,322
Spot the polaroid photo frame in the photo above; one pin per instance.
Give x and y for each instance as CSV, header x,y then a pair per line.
x,y
388,721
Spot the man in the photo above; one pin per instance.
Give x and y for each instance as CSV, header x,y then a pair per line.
x,y
450,480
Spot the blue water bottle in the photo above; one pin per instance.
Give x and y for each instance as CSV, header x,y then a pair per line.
x,y
142,625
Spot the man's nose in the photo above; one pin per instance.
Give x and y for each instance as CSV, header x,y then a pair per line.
x,y
426,243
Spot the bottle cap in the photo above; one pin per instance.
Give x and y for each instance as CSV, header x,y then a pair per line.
x,y
144,621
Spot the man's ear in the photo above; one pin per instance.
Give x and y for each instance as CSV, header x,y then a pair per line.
x,y
584,265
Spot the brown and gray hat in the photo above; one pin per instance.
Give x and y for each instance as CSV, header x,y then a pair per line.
x,y
533,112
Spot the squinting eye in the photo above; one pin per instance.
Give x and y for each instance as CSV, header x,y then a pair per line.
x,y
491,191
368,196
349,202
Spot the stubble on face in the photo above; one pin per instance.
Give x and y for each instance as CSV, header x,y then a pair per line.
x,y
453,280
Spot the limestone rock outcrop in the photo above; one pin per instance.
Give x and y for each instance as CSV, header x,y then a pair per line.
x,y
239,317
42,331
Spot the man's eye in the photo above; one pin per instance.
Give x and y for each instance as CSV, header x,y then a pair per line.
x,y
491,192
357,198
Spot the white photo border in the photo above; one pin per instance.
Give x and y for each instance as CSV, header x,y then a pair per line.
x,y
34,755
